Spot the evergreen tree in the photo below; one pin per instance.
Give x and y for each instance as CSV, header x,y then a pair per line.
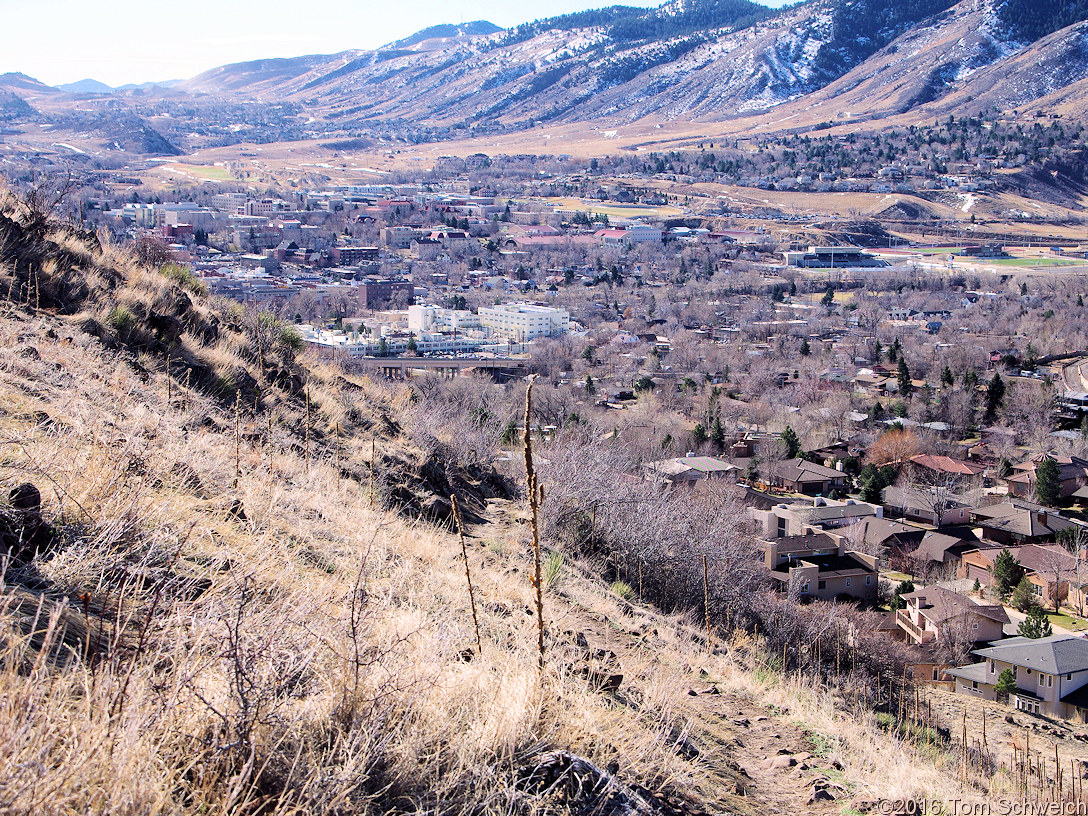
x,y
411,345
698,435
510,433
1047,482
792,443
1036,625
805,349
947,379
904,588
878,351
995,396
1007,572
717,434
591,389
828,299
1006,683
906,387
1023,597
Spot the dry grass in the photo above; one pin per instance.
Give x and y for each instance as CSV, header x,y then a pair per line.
x,y
306,658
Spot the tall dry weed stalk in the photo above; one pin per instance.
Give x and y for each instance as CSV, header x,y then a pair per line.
x,y
307,393
536,499
237,437
468,572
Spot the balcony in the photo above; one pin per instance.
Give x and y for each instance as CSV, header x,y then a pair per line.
x,y
917,634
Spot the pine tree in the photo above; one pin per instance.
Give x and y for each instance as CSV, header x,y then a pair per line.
x,y
717,434
1006,683
1023,597
828,299
1047,482
698,435
906,387
995,396
904,588
805,349
591,389
1006,573
947,379
792,443
1036,625
878,351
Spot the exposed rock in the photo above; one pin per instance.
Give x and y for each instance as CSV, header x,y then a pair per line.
x,y
584,788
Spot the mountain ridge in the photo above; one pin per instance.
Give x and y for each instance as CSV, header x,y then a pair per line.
x,y
821,62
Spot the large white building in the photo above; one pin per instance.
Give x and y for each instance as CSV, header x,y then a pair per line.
x,y
425,319
524,321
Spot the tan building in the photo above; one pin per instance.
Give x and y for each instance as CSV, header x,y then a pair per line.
x,y
819,566
936,615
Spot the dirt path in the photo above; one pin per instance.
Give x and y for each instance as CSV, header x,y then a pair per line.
x,y
753,751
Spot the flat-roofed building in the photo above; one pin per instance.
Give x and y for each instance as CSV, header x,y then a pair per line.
x,y
524,321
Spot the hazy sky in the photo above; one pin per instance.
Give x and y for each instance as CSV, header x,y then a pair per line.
x,y
60,41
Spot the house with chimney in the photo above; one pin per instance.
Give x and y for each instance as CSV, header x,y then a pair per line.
x,y
935,615
1072,475
1050,568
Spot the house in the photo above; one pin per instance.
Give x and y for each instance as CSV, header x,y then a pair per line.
x,y
818,566
946,466
1050,569
942,551
1072,475
687,470
937,615
876,532
1050,675
821,515
1009,523
934,506
808,478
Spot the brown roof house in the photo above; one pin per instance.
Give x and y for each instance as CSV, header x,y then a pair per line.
x,y
1072,474
946,465
1051,675
818,566
935,505
936,615
1009,523
808,478
1050,569
940,551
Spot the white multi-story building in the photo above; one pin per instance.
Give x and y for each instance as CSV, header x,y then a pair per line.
x,y
524,321
425,319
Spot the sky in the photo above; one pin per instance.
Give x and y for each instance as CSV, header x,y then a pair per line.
x,y
60,41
